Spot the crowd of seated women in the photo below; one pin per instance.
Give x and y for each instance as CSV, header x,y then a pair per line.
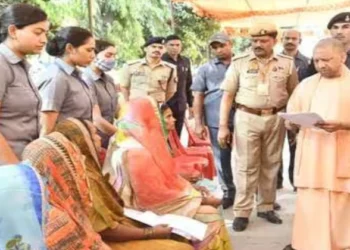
x,y
72,160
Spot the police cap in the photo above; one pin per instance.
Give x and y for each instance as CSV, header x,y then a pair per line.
x,y
343,17
263,29
155,39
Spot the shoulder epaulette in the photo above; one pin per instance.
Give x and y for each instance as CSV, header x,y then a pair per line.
x,y
133,62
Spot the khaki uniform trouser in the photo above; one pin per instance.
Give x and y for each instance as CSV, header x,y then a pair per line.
x,y
258,145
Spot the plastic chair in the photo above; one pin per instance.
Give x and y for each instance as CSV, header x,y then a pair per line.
x,y
194,140
208,171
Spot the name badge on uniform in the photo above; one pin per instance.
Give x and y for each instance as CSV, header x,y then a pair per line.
x,y
139,73
263,89
253,67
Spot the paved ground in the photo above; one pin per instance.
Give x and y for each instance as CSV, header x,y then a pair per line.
x,y
261,235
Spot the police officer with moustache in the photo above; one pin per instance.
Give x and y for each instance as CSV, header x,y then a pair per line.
x,y
291,39
259,83
150,76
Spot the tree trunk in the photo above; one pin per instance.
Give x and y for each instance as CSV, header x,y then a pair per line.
x,y
172,18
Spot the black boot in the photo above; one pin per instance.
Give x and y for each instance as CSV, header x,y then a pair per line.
x,y
270,216
240,224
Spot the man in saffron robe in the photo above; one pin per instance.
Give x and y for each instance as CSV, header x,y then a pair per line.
x,y
322,166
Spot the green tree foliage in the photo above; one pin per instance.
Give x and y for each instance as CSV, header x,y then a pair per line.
x,y
128,23
195,31
241,44
64,12
4,3
60,12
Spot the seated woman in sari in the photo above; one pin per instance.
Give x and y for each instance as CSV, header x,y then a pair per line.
x,y
189,167
193,155
93,200
23,208
186,163
142,170
67,226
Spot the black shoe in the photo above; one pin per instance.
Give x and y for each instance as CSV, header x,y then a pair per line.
x,y
270,216
240,224
227,202
289,247
276,206
279,186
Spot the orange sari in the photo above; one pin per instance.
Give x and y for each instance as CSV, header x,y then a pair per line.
x,y
140,140
106,210
68,226
143,172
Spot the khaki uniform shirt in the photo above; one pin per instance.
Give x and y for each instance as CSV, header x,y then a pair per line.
x,y
261,85
159,82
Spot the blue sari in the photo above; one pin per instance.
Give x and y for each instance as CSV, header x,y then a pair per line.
x,y
22,208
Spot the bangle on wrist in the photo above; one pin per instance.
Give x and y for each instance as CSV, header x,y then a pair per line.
x,y
148,233
152,232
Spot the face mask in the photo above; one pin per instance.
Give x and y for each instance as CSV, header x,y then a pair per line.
x,y
105,64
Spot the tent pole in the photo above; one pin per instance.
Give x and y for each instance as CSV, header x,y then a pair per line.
x,y
91,16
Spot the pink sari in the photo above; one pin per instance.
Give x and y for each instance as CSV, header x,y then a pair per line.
x,y
144,173
147,162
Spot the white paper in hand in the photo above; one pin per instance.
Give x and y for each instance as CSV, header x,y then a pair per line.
x,y
306,120
184,226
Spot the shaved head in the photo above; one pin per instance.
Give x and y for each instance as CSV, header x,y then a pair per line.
x,y
331,43
329,57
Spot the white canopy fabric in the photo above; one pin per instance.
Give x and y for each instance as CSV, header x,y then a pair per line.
x,y
284,13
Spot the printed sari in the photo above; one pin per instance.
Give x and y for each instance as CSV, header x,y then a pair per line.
x,y
23,208
107,210
59,162
143,172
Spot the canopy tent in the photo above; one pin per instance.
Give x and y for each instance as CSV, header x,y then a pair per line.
x,y
285,13
308,16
